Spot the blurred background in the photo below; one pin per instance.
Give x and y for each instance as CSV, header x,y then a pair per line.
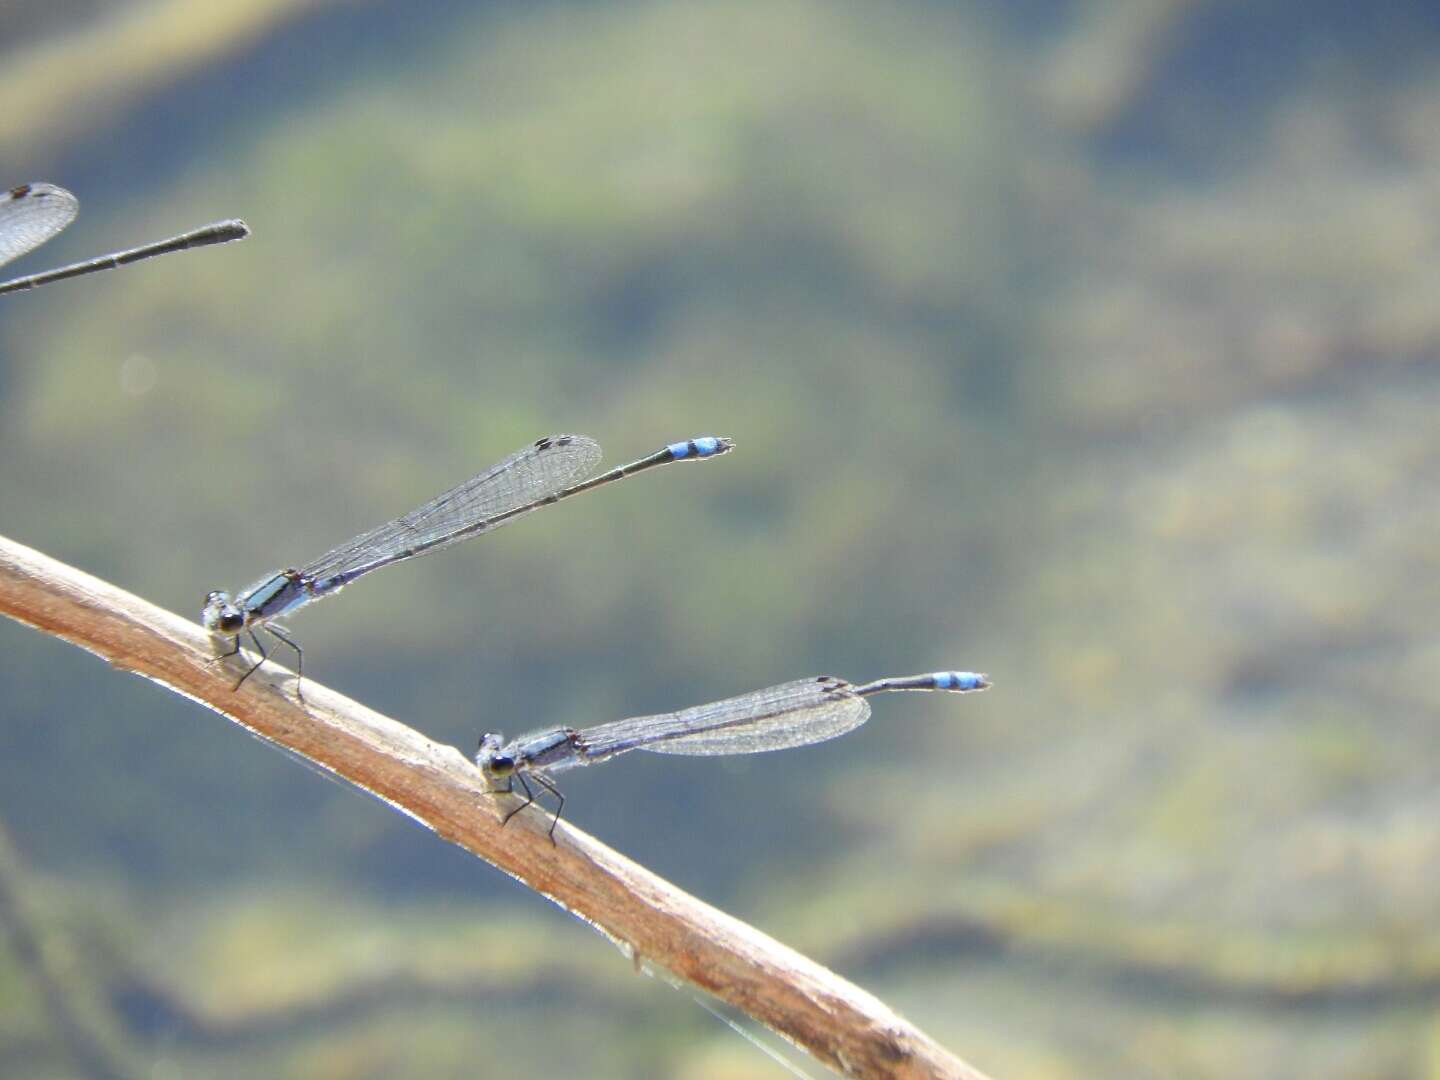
x,y
1092,344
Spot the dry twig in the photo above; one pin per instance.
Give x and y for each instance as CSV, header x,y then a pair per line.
x,y
657,924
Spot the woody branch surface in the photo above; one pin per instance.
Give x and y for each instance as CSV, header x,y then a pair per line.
x,y
661,926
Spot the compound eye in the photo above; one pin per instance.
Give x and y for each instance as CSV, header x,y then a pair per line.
x,y
494,762
221,616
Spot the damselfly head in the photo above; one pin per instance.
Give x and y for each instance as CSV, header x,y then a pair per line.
x,y
494,764
220,615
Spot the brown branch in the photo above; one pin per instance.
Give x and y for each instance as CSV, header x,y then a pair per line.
x,y
651,920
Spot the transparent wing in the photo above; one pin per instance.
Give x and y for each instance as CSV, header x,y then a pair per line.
x,y
502,493
31,214
791,714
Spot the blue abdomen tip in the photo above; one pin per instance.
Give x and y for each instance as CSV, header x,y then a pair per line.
x,y
960,680
703,447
